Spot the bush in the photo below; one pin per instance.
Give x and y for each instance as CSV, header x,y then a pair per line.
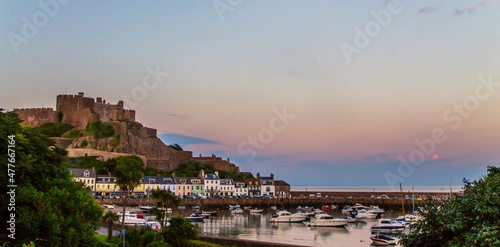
x,y
100,130
84,143
197,243
180,231
73,134
50,129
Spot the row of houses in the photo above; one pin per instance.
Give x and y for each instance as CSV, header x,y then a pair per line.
x,y
205,184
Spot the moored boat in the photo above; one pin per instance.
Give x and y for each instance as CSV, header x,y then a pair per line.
x,y
256,211
196,218
387,225
325,220
382,239
237,211
285,216
145,208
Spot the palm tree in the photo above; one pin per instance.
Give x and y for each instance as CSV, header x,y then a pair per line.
x,y
110,217
128,172
164,199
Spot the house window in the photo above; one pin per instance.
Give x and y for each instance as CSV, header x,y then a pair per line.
x,y
86,173
108,186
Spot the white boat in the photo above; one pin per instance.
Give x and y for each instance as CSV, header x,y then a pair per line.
x,y
196,218
359,206
181,207
306,213
247,207
387,225
207,213
231,207
325,220
346,210
153,225
132,219
365,214
145,208
108,206
333,207
376,210
256,211
237,211
408,218
196,207
350,219
285,216
273,207
382,239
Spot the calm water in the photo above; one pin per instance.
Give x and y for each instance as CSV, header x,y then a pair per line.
x,y
378,188
259,227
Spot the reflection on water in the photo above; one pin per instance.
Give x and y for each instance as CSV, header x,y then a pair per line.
x,y
259,227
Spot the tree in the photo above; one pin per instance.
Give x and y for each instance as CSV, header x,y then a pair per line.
x,y
164,199
110,217
176,147
49,204
471,219
128,173
179,231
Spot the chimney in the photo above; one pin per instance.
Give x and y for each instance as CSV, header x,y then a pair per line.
x,y
120,103
80,94
217,173
104,101
98,100
93,168
272,176
202,173
258,175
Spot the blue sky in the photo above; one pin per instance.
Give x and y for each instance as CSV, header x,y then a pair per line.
x,y
232,74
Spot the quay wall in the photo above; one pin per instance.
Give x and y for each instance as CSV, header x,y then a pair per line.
x,y
243,242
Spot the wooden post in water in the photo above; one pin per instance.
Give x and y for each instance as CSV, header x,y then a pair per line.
x,y
402,202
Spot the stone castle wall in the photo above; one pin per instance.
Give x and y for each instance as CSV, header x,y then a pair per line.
x,y
36,116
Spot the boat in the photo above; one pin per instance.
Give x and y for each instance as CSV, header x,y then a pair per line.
x,y
196,207
376,210
213,213
256,211
247,207
231,207
365,214
153,225
307,214
237,211
181,207
318,211
132,219
408,218
387,225
285,216
273,207
325,220
333,207
382,239
346,210
108,206
305,209
326,207
359,206
350,219
145,208
196,218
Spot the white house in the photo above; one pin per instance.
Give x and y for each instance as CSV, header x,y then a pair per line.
x,y
87,176
227,187
267,185
211,183
168,183
240,188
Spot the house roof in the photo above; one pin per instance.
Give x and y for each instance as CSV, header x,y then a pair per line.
x,y
252,182
210,176
266,178
227,181
83,173
186,180
155,179
281,183
239,184
167,180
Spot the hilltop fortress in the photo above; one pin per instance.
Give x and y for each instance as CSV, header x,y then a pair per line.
x,y
130,137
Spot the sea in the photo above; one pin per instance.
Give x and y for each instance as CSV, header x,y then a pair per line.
x,y
444,188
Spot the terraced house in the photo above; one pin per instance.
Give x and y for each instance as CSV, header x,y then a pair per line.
x,y
240,188
211,182
267,185
226,187
87,176
150,183
168,183
197,187
183,186
253,186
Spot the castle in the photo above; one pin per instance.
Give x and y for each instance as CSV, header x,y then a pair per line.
x,y
78,111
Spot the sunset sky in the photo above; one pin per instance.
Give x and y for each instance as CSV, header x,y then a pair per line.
x,y
231,68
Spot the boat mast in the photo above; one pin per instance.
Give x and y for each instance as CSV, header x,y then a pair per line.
x,y
402,202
